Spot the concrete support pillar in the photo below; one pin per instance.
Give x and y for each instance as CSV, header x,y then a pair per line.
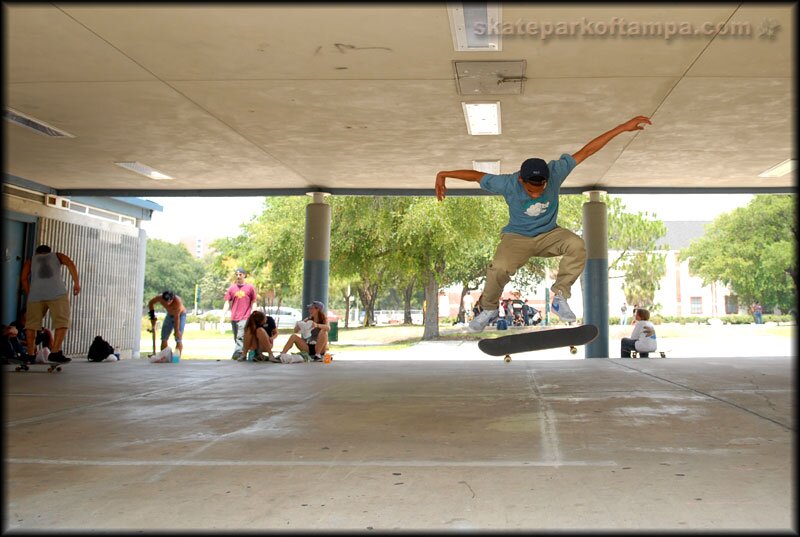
x,y
595,273
316,260
137,334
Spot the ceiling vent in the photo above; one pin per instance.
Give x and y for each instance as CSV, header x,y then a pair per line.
x,y
490,77
37,126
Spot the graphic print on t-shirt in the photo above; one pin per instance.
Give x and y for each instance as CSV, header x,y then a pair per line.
x,y
535,208
44,271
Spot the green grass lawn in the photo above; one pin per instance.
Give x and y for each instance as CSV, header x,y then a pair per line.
x,y
397,337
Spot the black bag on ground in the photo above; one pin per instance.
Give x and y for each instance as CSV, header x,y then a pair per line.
x,y
99,350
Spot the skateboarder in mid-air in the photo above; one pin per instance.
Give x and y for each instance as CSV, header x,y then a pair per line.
x,y
532,197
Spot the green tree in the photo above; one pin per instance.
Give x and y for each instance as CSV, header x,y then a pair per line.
x,y
632,237
363,245
270,247
753,250
170,266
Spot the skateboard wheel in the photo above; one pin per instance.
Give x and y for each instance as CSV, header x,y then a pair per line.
x,y
507,358
18,368
573,350
58,369
663,354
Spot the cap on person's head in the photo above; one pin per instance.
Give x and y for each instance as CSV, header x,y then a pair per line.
x,y
534,170
240,270
317,304
167,295
43,249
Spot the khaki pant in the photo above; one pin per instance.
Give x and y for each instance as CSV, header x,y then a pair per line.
x,y
59,313
515,250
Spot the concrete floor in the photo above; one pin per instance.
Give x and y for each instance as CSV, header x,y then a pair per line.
x,y
690,444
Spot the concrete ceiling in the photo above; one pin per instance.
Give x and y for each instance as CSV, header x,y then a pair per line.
x,y
364,97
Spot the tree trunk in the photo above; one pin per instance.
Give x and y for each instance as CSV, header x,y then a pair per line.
x,y
431,319
368,294
408,292
347,296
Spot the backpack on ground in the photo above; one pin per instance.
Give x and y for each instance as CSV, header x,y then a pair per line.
x,y
99,350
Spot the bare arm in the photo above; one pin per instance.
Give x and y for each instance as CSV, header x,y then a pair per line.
x,y
598,143
465,175
25,277
73,270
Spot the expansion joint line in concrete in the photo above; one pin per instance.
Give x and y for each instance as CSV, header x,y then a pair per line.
x,y
547,424
721,400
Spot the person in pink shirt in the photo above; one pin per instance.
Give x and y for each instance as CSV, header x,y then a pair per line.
x,y
239,298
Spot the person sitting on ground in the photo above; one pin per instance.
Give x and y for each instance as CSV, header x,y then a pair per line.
x,y
175,311
643,337
259,335
316,342
10,346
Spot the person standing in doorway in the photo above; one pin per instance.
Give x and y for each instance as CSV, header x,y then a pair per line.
x,y
532,197
239,298
41,282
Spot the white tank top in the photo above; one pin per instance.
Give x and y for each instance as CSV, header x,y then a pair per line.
x,y
46,282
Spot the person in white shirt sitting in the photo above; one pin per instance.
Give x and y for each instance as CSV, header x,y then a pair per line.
x,y
643,337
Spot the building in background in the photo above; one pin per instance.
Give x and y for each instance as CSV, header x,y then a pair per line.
x,y
103,236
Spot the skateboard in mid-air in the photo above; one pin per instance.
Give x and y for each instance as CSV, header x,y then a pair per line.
x,y
22,365
537,340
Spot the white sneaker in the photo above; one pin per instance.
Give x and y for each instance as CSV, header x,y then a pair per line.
x,y
561,308
482,320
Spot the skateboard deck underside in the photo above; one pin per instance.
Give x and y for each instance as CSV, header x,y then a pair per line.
x,y
537,340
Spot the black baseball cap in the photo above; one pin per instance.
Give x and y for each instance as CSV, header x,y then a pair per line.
x,y
534,170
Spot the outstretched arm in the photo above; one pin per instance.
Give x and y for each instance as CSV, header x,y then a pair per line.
x,y
465,175
73,270
598,143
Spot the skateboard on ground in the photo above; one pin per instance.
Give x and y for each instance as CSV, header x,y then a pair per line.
x,y
22,365
662,353
537,340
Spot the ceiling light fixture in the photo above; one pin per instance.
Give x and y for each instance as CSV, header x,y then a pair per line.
x,y
471,26
36,125
780,169
142,169
487,166
482,118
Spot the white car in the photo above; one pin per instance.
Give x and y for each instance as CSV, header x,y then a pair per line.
x,y
284,317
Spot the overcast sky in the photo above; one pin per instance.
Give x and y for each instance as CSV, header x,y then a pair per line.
x,y
211,218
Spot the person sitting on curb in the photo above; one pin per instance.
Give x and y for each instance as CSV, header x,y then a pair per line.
x,y
259,335
316,342
643,337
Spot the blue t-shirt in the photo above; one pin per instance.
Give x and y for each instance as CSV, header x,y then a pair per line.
x,y
527,216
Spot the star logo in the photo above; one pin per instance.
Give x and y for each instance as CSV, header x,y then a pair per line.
x,y
768,29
